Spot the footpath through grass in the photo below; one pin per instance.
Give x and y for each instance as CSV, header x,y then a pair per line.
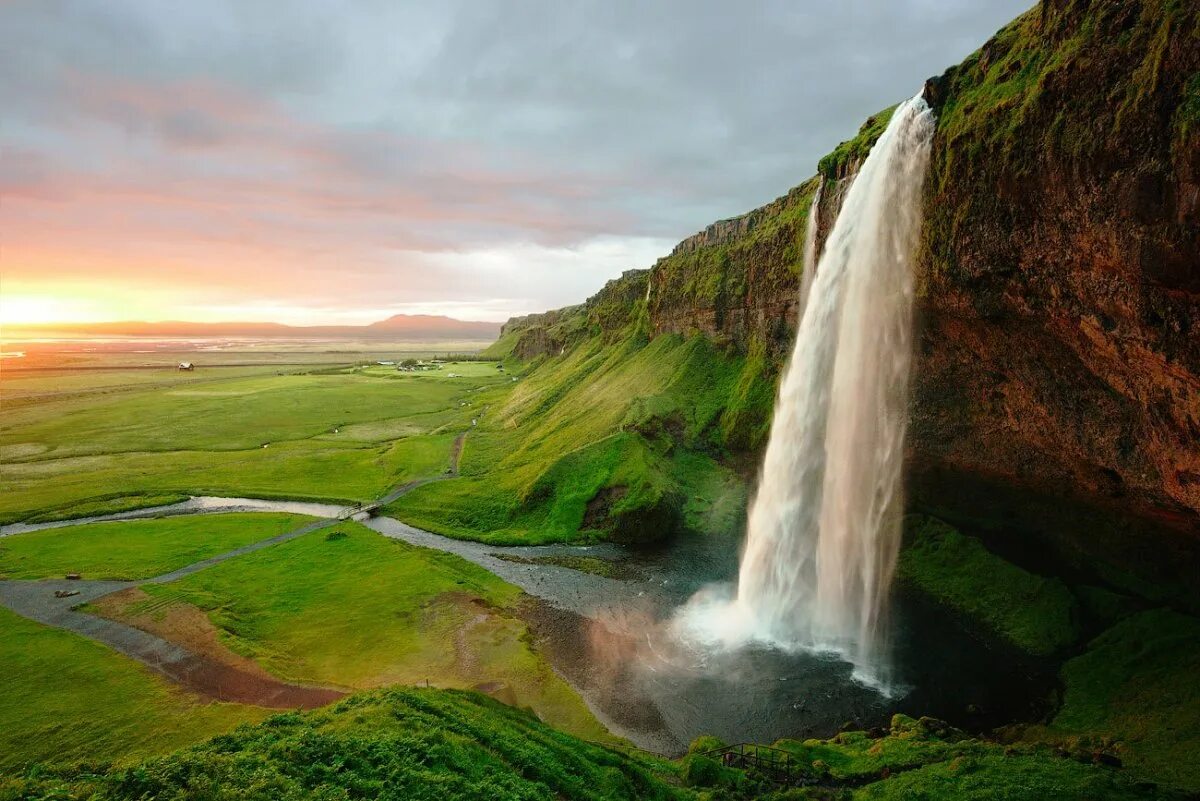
x,y
135,549
348,607
67,699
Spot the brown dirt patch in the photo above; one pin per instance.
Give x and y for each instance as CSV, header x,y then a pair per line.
x,y
210,668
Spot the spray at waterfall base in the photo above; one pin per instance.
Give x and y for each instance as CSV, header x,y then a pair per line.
x,y
823,532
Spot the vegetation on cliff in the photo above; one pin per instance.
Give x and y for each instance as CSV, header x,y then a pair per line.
x,y
621,437
1035,613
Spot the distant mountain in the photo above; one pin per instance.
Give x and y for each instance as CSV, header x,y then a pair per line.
x,y
398,327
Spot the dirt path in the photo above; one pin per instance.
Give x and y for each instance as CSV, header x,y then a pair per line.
x,y
190,656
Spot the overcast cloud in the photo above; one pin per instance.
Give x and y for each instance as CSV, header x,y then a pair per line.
x,y
339,161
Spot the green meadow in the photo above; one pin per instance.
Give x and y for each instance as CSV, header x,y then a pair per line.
x,y
67,699
135,549
347,607
336,434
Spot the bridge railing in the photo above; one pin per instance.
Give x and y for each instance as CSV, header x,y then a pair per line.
x,y
775,764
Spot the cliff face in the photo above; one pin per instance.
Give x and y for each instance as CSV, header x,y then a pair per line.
x,y
1057,388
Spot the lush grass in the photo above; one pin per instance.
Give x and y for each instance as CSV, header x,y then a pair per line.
x,y
66,699
846,156
231,415
345,435
363,611
613,439
1032,612
1137,690
397,744
134,549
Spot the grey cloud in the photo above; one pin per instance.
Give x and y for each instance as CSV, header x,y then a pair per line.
x,y
511,122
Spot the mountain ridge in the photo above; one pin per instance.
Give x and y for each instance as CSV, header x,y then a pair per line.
x,y
413,326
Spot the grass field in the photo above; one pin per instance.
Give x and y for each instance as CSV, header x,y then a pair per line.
x,y
357,610
134,549
336,434
67,699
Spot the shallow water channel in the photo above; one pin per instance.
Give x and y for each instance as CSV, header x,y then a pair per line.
x,y
607,635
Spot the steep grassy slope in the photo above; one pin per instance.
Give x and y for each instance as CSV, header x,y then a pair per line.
x,y
395,744
446,745
619,437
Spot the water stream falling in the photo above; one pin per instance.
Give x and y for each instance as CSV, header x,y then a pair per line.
x,y
824,526
809,263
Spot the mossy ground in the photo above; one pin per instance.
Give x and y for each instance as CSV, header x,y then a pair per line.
x,y
1035,613
1136,690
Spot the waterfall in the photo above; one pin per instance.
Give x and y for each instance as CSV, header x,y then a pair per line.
x,y
824,527
808,265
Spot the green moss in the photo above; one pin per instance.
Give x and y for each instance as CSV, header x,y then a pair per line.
x,y
1032,612
928,759
853,151
1136,689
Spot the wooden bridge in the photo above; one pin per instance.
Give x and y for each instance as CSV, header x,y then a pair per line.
x,y
773,764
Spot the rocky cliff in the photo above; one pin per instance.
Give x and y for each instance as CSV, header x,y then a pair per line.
x,y
1056,401
1057,391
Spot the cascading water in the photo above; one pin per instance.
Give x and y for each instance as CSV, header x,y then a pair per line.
x,y
809,264
824,527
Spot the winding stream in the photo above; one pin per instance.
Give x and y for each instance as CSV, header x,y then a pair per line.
x,y
608,635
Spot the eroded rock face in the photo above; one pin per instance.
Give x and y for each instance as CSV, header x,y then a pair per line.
x,y
1060,347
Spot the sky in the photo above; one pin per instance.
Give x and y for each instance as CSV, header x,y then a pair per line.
x,y
321,162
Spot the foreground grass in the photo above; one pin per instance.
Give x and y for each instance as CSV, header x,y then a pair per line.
x,y
395,744
354,609
134,549
66,699
1036,614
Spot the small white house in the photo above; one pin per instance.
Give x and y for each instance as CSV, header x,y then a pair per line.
x,y
187,366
